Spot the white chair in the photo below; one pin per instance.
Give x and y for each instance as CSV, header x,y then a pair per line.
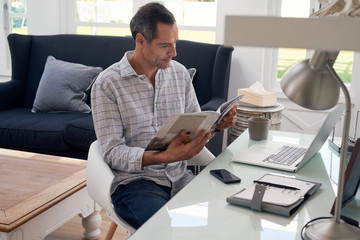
x,y
99,178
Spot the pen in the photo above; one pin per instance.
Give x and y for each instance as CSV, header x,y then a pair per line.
x,y
276,185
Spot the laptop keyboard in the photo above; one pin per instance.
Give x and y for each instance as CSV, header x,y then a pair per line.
x,y
286,156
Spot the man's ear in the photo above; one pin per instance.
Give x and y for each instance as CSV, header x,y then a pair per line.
x,y
140,39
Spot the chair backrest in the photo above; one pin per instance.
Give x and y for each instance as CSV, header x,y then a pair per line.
x,y
99,178
203,158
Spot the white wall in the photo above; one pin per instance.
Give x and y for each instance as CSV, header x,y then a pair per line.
x,y
247,63
42,22
54,20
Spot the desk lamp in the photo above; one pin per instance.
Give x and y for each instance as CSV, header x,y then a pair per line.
x,y
314,84
319,85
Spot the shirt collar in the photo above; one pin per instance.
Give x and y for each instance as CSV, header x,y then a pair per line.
x,y
127,70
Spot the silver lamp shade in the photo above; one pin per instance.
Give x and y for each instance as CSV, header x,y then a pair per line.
x,y
307,83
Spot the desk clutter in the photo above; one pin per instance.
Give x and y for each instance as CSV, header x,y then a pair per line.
x,y
257,102
278,194
245,112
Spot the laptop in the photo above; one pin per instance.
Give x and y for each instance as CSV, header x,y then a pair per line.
x,y
278,155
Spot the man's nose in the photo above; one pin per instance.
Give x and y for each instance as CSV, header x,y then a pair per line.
x,y
172,52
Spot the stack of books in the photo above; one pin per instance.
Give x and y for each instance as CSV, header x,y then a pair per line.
x,y
256,103
245,112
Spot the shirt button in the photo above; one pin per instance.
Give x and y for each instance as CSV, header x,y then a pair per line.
x,y
155,124
149,85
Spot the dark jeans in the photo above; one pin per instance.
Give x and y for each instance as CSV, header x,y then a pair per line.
x,y
137,201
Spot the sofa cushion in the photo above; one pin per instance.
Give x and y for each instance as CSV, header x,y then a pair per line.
x,y
20,128
80,133
63,86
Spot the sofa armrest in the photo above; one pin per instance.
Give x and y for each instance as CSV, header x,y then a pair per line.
x,y
221,72
11,94
213,104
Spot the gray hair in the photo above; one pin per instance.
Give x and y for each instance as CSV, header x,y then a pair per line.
x,y
146,19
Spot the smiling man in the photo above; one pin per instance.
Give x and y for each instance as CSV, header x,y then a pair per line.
x,y
130,102
156,53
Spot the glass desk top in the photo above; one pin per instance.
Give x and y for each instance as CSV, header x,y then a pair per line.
x,y
200,210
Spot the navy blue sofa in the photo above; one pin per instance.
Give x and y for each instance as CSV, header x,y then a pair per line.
x,y
70,134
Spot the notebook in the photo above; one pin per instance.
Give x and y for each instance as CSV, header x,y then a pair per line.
x,y
263,153
274,193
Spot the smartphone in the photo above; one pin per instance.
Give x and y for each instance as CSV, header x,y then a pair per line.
x,y
225,176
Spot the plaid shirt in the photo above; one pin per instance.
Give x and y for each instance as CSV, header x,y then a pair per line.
x,y
127,113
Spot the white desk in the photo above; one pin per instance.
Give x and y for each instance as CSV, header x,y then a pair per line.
x,y
200,210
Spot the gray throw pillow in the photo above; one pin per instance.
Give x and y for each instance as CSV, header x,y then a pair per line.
x,y
63,86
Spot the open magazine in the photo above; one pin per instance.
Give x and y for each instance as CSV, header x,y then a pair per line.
x,y
192,123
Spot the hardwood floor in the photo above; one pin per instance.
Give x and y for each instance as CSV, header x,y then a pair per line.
x,y
73,229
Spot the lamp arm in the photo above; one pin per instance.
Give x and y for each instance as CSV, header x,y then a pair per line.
x,y
344,143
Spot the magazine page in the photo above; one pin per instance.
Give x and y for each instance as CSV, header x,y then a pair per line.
x,y
192,123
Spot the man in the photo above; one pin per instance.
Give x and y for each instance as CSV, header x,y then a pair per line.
x,y
130,101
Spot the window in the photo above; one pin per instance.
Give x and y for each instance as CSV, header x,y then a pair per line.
x,y
344,65
13,20
17,16
103,17
287,57
196,19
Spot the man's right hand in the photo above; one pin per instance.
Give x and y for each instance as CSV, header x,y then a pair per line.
x,y
178,149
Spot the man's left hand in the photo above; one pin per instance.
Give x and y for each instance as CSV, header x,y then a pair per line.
x,y
228,120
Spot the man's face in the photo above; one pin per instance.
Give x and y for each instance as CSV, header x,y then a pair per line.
x,y
162,48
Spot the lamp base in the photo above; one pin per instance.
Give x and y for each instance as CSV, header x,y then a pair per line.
x,y
329,229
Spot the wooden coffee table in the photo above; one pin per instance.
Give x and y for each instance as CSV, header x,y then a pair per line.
x,y
39,193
